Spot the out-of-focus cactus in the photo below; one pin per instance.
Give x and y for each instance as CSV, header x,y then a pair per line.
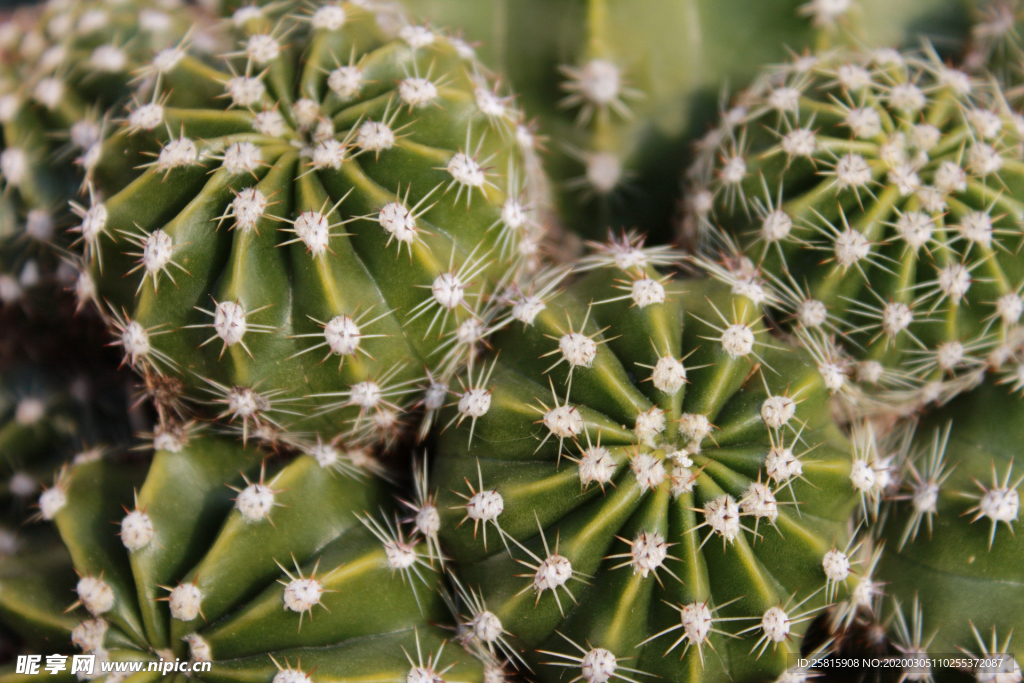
x,y
995,46
951,566
63,66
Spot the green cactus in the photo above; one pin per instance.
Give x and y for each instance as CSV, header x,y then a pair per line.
x,y
952,560
267,570
36,427
49,418
667,63
329,218
44,425
64,67
34,585
874,196
644,482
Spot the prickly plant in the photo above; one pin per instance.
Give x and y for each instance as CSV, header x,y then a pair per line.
x,y
870,198
61,396
643,482
951,565
55,410
995,46
283,571
36,426
621,92
313,243
63,67
34,584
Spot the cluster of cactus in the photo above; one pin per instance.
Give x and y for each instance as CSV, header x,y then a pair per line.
x,y
321,239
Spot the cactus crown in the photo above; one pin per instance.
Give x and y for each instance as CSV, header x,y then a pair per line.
x,y
871,194
323,217
641,475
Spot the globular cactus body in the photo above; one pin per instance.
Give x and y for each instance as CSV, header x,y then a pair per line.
x,y
951,563
642,474
873,194
329,219
268,571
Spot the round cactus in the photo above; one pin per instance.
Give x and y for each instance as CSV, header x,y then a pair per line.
x,y
312,244
872,194
952,560
643,482
265,570
62,68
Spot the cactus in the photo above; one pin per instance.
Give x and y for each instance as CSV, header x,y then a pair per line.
x,y
55,409
267,570
952,560
643,482
34,585
37,424
54,405
618,91
873,194
667,64
40,427
63,68
995,46
326,220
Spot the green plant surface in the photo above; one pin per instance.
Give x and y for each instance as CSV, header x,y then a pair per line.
x,y
873,194
314,243
271,571
35,583
952,560
643,480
